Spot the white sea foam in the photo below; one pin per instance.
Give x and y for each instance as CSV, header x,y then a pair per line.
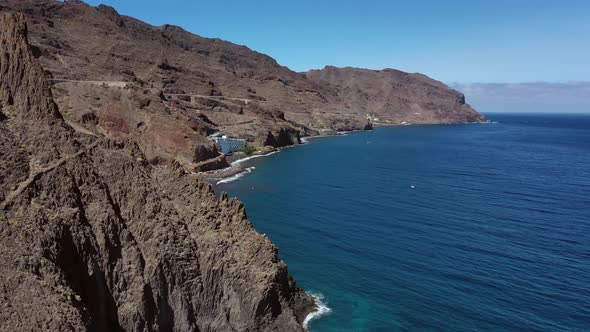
x,y
237,176
239,161
322,309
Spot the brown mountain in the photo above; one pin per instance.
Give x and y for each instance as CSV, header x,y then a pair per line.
x,y
166,89
95,238
393,96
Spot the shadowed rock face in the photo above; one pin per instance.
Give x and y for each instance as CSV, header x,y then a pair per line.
x,y
94,238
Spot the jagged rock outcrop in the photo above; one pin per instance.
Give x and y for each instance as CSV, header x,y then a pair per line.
x,y
95,238
284,137
112,14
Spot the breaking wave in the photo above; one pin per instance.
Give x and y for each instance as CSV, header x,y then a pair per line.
x,y
237,176
239,161
322,309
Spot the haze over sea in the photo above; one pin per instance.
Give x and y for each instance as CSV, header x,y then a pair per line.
x,y
495,236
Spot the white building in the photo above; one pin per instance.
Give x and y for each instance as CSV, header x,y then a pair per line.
x,y
228,145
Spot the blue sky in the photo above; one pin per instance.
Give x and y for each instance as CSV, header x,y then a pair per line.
x,y
538,97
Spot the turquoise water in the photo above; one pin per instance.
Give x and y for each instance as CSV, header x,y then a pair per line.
x,y
495,236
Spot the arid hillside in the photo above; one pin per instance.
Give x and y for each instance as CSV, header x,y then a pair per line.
x,y
167,89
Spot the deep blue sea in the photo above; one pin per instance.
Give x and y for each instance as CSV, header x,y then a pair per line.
x,y
494,236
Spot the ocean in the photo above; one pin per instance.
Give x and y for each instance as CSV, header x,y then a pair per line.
x,y
482,227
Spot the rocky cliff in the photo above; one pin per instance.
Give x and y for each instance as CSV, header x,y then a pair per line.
x,y
392,96
96,238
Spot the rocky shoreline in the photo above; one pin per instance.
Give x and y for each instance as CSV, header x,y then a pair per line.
x,y
235,169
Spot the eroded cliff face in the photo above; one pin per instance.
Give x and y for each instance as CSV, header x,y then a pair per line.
x,y
95,238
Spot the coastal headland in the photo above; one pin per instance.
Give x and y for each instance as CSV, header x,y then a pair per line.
x,y
105,120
